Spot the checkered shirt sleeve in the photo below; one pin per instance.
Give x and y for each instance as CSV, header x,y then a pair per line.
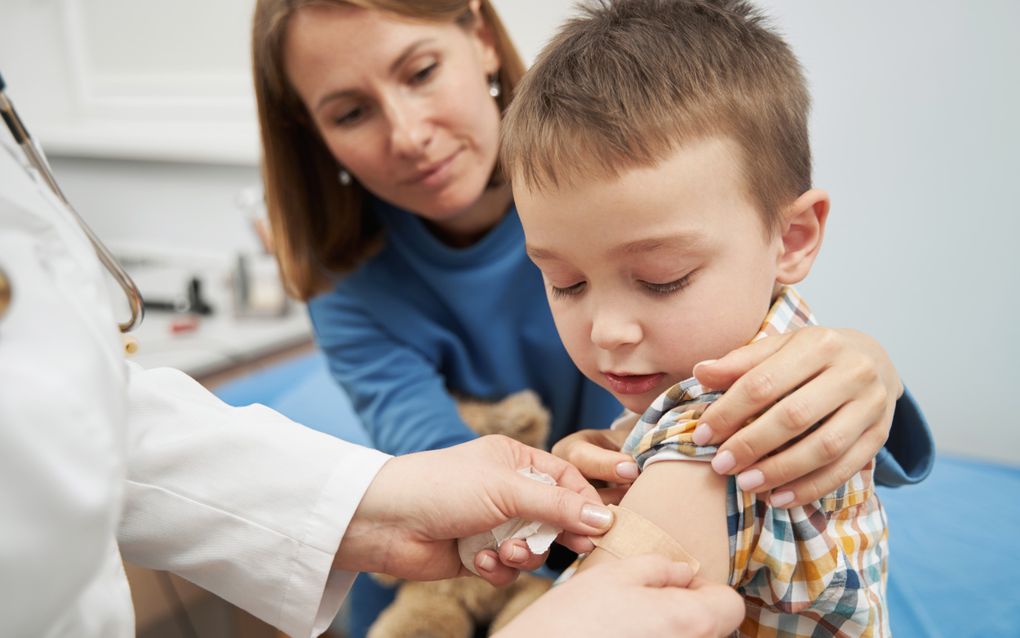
x,y
816,570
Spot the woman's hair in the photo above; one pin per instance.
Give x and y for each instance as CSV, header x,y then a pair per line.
x,y
320,227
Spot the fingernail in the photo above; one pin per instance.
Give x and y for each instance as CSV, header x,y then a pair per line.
x,y
518,555
702,434
750,479
486,562
627,470
723,462
596,516
780,499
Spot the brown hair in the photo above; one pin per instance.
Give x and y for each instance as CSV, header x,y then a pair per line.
x,y
626,83
320,227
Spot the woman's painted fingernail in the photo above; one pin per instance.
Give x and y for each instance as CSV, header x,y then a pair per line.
x,y
750,479
627,470
596,516
780,499
723,462
486,562
518,555
702,434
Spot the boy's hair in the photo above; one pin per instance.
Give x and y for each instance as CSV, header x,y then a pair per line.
x,y
627,82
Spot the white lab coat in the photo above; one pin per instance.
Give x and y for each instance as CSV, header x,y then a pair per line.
x,y
97,454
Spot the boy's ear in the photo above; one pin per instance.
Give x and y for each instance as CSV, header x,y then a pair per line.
x,y
802,229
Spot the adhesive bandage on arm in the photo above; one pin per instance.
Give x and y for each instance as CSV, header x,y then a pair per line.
x,y
633,534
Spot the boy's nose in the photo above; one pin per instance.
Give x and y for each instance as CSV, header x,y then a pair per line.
x,y
614,328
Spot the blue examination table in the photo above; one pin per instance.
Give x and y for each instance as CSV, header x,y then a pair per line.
x,y
954,571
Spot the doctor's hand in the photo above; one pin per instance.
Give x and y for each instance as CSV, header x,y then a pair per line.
x,y
638,596
842,379
418,505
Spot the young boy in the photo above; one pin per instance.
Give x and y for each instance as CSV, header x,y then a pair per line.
x,y
660,163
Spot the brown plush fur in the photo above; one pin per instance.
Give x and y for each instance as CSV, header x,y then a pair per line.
x,y
454,608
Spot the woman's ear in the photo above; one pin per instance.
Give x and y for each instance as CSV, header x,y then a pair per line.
x,y
486,39
802,229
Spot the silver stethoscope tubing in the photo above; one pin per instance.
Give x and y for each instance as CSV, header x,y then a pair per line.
x,y
38,161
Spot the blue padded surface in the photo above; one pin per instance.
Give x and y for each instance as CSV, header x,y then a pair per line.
x,y
953,569
303,390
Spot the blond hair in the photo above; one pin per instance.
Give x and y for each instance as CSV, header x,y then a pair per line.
x,y
627,82
321,228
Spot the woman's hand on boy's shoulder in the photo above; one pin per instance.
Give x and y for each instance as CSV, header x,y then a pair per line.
x,y
781,386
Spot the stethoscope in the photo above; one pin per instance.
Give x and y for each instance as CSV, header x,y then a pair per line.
x,y
38,161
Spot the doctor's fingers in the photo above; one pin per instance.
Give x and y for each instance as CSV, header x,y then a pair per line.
x,y
564,473
688,606
573,512
491,568
646,570
703,610
666,598
515,553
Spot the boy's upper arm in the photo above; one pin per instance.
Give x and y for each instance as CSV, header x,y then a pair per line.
x,y
687,499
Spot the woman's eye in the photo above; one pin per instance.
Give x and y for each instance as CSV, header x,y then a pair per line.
x,y
424,74
568,291
669,287
349,117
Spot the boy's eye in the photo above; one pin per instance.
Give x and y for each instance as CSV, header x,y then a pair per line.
x,y
424,74
669,287
568,291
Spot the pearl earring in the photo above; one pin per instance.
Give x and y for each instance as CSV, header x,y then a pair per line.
x,y
494,88
344,177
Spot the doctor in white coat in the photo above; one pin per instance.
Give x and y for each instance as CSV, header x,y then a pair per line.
x,y
101,460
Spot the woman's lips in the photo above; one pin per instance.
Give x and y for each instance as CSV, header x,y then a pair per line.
x,y
632,383
435,175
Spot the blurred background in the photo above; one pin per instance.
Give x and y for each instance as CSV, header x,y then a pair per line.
x,y
147,114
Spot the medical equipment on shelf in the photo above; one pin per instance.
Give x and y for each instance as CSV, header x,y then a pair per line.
x,y
5,293
35,157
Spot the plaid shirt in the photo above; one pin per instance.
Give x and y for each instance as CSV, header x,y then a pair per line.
x,y
815,570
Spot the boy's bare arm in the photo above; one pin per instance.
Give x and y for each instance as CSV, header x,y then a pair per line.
x,y
688,500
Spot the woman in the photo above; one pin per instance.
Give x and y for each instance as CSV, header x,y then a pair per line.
x,y
380,124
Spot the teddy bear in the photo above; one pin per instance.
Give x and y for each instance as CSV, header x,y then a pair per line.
x,y
457,607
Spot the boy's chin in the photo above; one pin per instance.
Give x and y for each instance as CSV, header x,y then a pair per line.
x,y
637,402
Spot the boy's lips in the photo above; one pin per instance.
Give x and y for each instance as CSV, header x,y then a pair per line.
x,y
632,383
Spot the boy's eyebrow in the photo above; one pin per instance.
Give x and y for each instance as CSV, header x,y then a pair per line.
x,y
408,51
539,253
679,242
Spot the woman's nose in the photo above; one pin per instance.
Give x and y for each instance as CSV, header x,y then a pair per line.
x,y
613,328
410,130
